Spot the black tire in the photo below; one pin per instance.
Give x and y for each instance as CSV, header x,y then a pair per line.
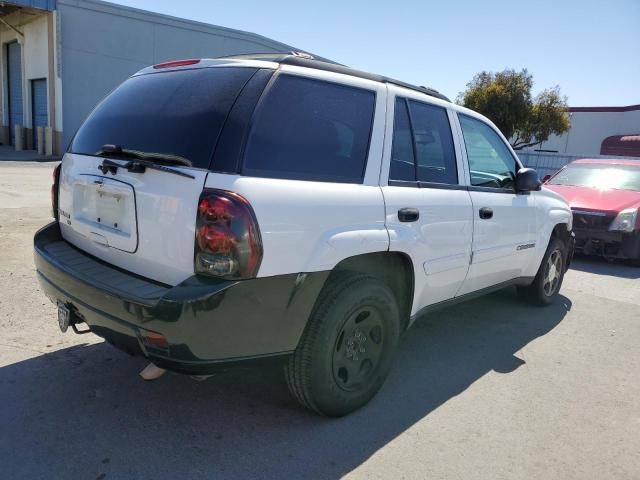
x,y
348,345
548,281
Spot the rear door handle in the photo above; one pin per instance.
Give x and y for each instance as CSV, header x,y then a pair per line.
x,y
486,213
408,214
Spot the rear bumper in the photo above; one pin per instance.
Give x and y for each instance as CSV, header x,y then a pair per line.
x,y
608,244
208,324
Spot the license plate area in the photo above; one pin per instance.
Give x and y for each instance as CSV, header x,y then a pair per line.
x,y
104,211
111,210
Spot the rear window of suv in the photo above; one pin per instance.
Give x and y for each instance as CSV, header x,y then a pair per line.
x,y
178,113
308,129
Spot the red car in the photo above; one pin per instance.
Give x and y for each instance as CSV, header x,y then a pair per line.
x,y
604,196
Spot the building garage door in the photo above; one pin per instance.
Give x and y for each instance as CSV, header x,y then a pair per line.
x,y
39,117
14,86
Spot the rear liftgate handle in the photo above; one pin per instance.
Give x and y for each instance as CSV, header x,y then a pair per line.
x,y
408,214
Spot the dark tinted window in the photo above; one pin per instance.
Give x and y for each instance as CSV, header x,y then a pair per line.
x,y
402,160
435,154
228,154
179,113
490,161
311,130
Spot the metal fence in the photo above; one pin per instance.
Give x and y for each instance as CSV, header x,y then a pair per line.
x,y
550,163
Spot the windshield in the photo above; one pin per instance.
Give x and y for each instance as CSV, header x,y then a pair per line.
x,y
621,177
164,115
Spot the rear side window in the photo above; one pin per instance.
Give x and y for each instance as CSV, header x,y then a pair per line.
x,y
309,129
403,162
178,113
436,158
422,148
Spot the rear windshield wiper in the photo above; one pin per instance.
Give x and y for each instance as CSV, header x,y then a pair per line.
x,y
138,166
143,160
165,158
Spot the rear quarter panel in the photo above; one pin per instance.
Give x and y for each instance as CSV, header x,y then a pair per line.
x,y
310,226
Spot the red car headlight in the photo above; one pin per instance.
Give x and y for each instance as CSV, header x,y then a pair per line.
x,y
625,221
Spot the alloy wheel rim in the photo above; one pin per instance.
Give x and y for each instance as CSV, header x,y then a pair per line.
x,y
552,273
358,349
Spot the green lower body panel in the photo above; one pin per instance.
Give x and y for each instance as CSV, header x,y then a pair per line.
x,y
203,324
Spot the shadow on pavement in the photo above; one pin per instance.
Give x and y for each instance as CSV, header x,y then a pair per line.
x,y
82,412
601,266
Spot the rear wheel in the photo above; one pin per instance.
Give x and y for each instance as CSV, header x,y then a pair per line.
x,y
548,280
347,348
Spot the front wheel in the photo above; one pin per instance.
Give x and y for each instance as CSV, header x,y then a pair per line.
x,y
546,285
348,345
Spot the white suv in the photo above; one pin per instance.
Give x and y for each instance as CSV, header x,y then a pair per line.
x,y
212,213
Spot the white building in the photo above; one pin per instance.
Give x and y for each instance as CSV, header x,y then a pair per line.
x,y
598,131
60,57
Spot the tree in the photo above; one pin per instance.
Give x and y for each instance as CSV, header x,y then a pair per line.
x,y
505,98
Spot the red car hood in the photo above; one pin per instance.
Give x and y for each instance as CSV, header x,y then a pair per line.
x,y
588,198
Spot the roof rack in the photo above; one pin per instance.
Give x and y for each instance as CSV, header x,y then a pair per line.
x,y
301,59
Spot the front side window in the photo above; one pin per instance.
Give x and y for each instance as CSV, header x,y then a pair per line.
x,y
308,129
490,161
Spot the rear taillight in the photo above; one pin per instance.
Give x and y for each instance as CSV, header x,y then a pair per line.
x,y
54,191
228,243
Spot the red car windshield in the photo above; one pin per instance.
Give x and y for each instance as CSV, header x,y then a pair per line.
x,y
602,176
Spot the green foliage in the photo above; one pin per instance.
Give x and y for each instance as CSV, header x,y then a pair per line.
x,y
505,98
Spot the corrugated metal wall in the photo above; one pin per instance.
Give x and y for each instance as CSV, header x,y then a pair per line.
x,y
103,44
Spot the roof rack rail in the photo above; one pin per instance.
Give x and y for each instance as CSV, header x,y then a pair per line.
x,y
302,59
308,56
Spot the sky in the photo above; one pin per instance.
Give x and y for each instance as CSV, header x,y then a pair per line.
x,y
590,49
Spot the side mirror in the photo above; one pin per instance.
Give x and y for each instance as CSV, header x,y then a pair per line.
x,y
527,180
545,178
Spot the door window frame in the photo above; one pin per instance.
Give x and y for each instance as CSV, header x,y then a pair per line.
x,y
465,158
377,134
394,92
279,75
